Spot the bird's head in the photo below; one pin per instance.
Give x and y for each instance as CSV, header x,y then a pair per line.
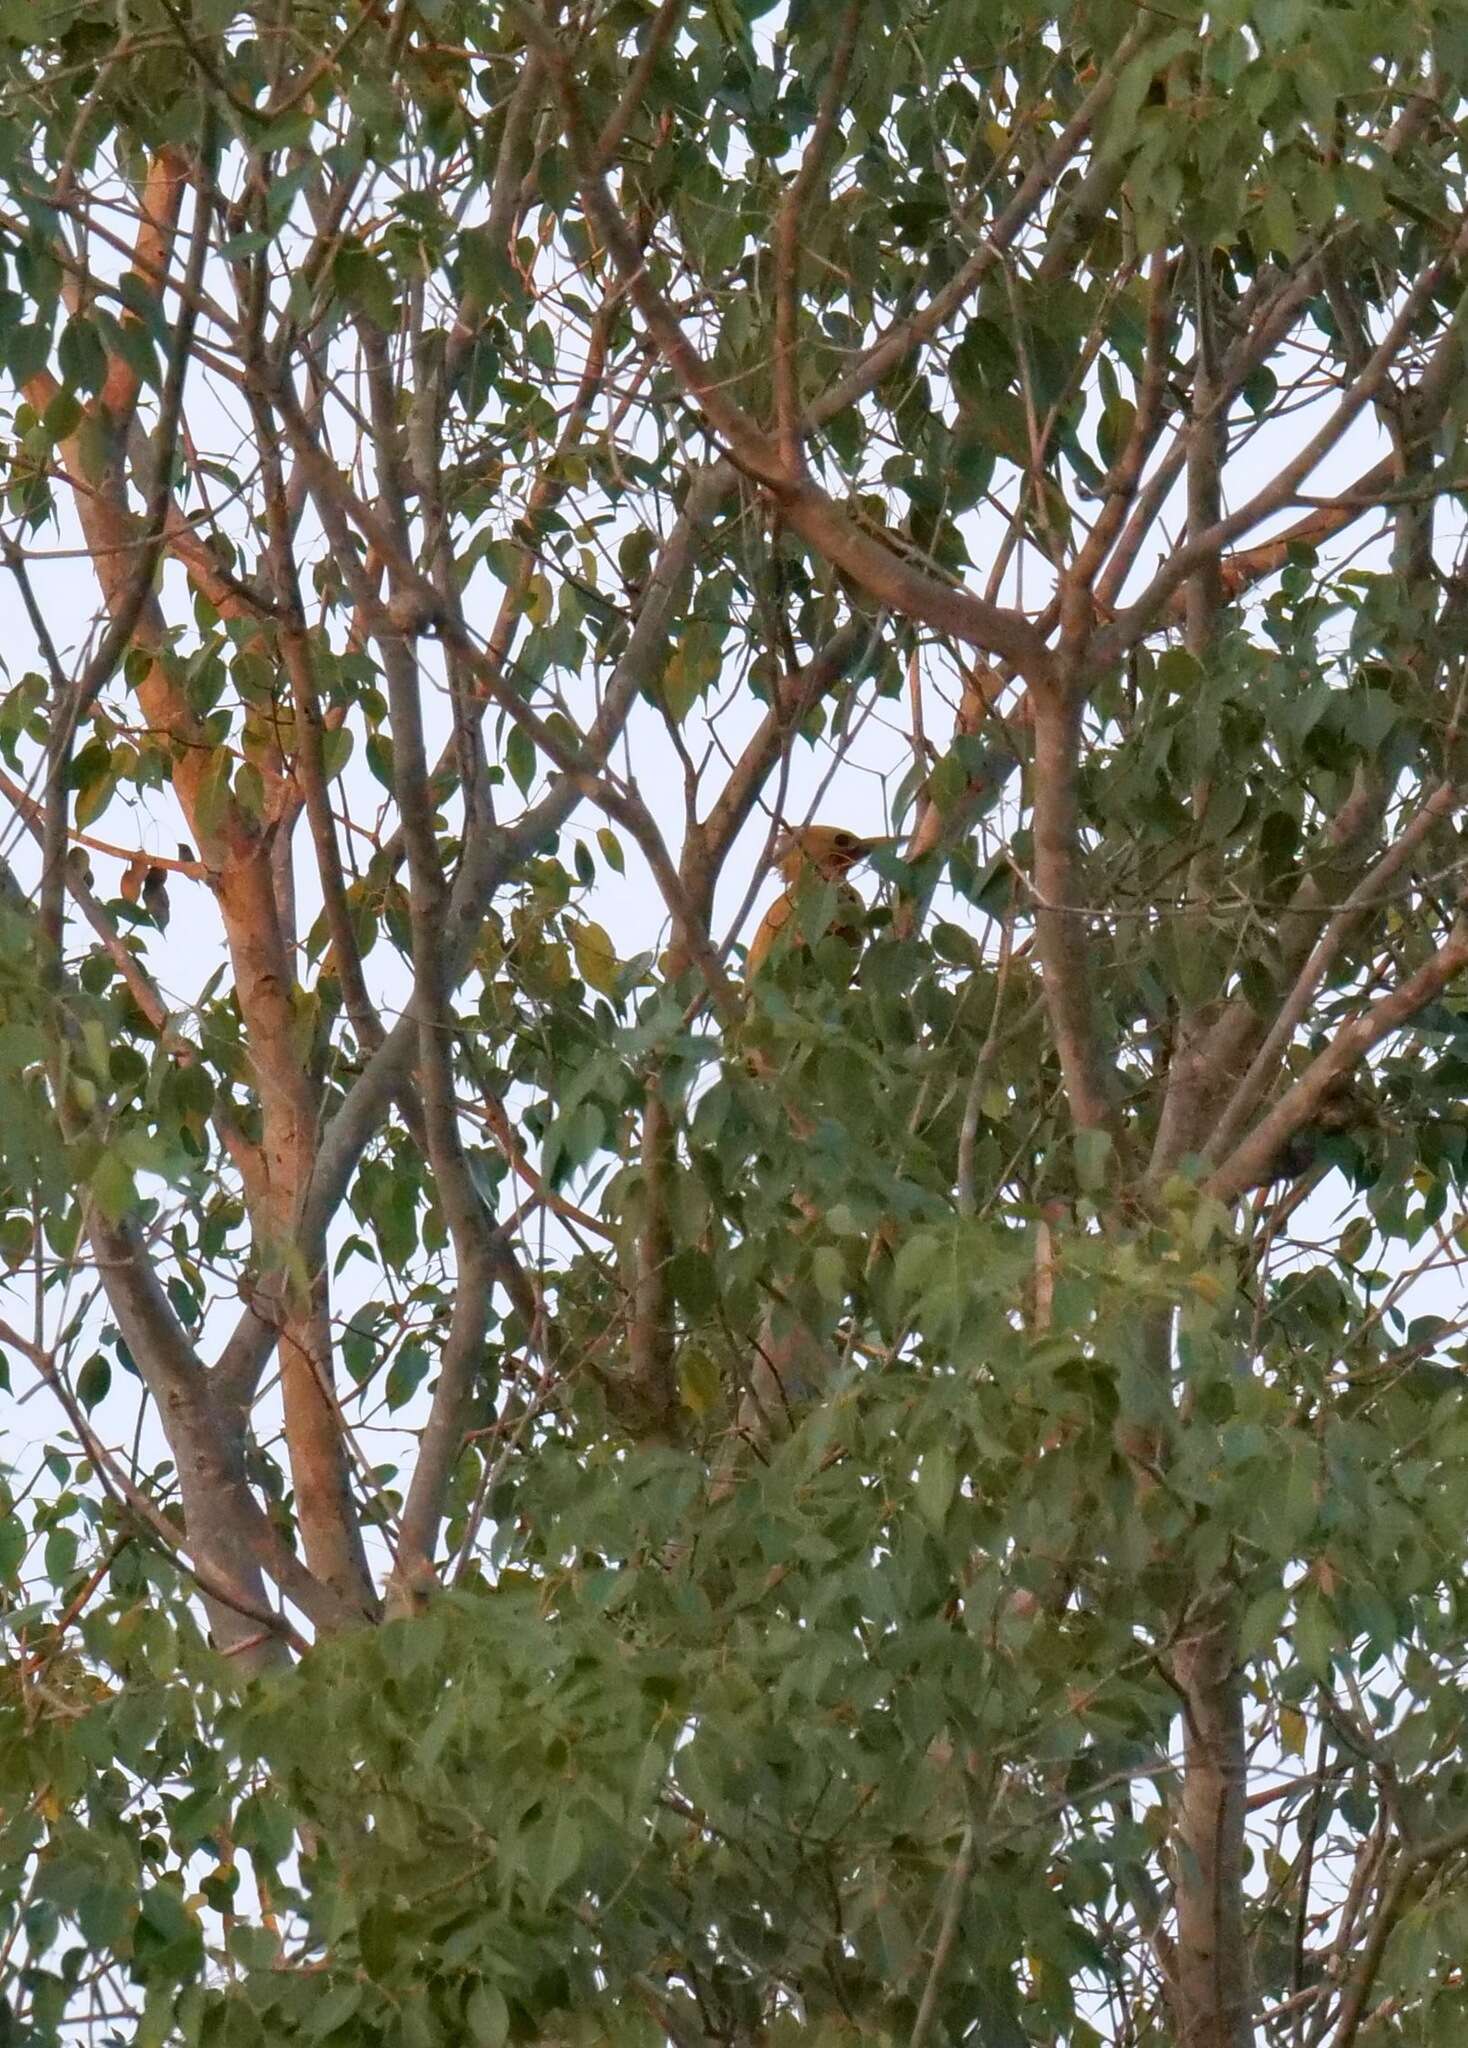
x,y
829,849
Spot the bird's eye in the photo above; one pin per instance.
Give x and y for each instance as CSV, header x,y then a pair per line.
x,y
845,839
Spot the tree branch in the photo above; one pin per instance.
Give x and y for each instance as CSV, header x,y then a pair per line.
x,y
1411,1862
785,245
488,864
820,522
1138,619
1253,1155
1440,805
919,328
1061,936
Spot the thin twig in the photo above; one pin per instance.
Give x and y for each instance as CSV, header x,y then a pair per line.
x,y
958,1882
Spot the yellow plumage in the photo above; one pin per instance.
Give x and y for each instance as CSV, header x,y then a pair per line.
x,y
824,850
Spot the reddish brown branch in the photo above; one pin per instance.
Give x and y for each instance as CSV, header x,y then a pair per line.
x,y
910,334
1253,1156
785,244
1061,937
1211,1954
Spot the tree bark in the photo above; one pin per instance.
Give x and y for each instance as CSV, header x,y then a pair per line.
x,y
1212,1962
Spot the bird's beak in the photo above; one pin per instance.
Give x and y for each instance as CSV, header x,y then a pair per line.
x,y
788,842
790,851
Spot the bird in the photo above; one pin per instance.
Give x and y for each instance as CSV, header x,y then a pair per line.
x,y
824,851
132,878
828,849
790,1362
1344,1111
155,896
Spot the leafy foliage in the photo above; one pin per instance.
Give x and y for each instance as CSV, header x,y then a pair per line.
x,y
915,1493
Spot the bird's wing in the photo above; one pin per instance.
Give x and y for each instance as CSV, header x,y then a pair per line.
x,y
771,925
847,922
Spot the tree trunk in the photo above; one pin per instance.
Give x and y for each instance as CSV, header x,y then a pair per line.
x,y
1212,1988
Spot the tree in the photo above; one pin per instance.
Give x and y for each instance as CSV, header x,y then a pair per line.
x,y
916,1494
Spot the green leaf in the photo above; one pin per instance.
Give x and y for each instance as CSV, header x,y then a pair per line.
x,y
93,1381
211,801
521,758
378,1940
113,1188
1314,1635
248,242
60,1555
366,284
488,2016
596,959
63,415
1094,1156
936,1483
336,751
561,1854
406,1374
13,1541
694,1281
828,1273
